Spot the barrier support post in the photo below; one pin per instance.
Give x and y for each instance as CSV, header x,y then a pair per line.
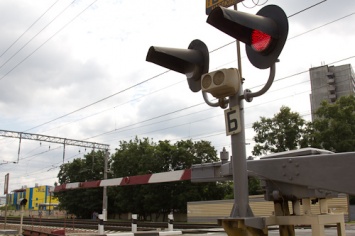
x,y
134,223
170,222
101,224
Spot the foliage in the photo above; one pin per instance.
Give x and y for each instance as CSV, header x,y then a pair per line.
x,y
253,185
82,202
9,208
332,129
285,131
334,126
138,157
352,200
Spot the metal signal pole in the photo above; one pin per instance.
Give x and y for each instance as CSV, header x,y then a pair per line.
x,y
241,206
104,198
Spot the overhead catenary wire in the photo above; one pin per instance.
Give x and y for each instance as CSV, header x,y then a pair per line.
x,y
40,17
211,117
33,37
307,8
186,108
298,74
199,104
201,136
307,70
105,98
40,46
98,101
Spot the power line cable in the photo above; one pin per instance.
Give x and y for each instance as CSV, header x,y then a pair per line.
x,y
306,32
150,119
186,108
132,85
306,9
40,46
98,101
281,98
105,98
298,35
28,28
23,46
107,109
196,137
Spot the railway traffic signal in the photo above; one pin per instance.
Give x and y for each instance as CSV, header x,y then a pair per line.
x,y
193,62
221,83
23,202
264,34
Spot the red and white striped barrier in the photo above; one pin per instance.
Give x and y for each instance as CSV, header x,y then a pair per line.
x,y
172,176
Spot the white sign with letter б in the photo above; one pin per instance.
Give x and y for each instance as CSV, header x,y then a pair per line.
x,y
232,118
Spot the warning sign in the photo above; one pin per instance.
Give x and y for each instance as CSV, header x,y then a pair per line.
x,y
212,4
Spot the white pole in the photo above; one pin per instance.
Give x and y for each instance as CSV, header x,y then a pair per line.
x,y
21,221
101,224
104,213
134,223
104,198
171,222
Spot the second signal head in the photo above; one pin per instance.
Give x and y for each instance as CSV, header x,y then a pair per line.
x,y
264,34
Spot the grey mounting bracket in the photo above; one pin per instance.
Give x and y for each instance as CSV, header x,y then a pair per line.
x,y
248,95
222,102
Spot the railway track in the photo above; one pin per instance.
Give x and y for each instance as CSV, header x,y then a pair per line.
x,y
109,225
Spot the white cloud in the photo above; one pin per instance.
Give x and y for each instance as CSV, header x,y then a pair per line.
x,y
102,52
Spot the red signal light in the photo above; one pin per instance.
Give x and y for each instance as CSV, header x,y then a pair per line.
x,y
264,34
260,41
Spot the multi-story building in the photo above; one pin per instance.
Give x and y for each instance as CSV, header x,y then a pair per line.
x,y
38,198
329,83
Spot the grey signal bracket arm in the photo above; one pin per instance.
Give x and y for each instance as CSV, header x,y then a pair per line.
x,y
205,97
248,95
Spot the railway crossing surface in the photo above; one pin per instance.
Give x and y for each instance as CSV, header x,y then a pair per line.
x,y
350,231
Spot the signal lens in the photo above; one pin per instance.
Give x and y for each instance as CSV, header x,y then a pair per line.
x,y
260,41
218,78
206,81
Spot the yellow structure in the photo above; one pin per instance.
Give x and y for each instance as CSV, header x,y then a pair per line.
x,y
38,198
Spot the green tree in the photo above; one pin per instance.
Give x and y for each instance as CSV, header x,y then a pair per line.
x,y
334,126
143,156
82,202
285,131
253,185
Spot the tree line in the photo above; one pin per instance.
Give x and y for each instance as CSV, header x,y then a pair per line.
x,y
332,129
139,157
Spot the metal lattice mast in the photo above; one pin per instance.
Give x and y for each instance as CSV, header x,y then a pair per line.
x,y
52,139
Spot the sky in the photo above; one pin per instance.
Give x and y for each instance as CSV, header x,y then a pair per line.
x,y
78,70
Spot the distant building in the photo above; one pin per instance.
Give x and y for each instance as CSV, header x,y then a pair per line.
x,y
2,200
38,198
329,83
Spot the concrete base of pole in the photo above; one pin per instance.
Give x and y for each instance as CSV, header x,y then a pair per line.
x,y
170,222
248,226
145,233
21,219
134,223
101,230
